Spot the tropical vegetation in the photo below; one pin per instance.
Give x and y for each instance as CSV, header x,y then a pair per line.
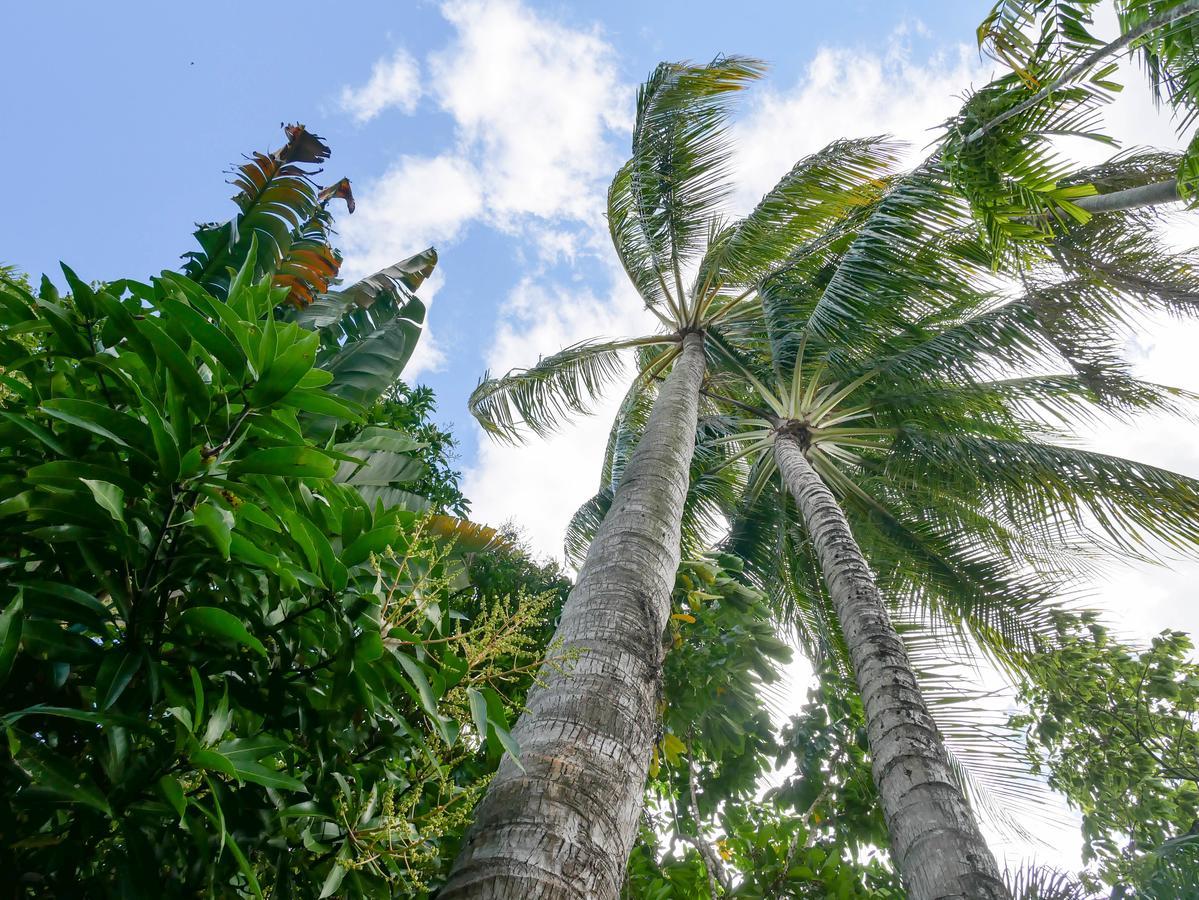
x,y
251,645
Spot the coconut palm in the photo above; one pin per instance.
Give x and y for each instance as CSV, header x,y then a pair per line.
x,y
561,823
938,439
915,410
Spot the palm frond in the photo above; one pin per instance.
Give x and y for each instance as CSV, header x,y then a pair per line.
x,y
819,190
347,314
368,364
561,386
664,201
1033,882
1139,507
384,464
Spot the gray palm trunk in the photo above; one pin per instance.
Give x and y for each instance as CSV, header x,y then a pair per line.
x,y
564,826
936,844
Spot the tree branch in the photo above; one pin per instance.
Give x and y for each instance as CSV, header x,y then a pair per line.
x,y
1166,18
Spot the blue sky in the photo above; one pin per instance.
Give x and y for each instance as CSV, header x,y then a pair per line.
x,y
125,117
490,128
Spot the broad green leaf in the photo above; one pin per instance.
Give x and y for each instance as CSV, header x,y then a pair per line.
x,y
337,873
212,761
282,374
10,636
118,427
92,717
221,624
165,444
216,522
322,403
109,689
54,773
110,497
208,336
218,721
478,711
243,864
44,435
49,640
509,742
182,369
290,462
417,674
172,790
69,474
256,773
251,749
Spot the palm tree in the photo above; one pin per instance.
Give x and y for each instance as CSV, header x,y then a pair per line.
x,y
958,471
561,822
908,403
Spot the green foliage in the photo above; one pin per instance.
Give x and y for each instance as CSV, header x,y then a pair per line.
x,y
1116,730
1000,149
368,331
410,410
224,671
705,831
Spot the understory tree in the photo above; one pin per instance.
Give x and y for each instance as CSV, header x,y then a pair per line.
x,y
231,661
1116,730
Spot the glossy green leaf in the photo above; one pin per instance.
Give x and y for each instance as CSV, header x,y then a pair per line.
x,y
217,523
219,623
10,635
290,462
182,369
110,497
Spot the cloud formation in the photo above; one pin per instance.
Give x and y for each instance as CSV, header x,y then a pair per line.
x,y
394,82
536,107
534,103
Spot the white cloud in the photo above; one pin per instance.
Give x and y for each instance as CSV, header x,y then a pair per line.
x,y
847,93
394,82
536,101
536,107
418,202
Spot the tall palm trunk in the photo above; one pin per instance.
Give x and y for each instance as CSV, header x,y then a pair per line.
x,y
564,827
936,844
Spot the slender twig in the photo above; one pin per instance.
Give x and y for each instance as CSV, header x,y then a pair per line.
x,y
210,452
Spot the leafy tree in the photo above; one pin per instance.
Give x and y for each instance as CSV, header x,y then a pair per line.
x,y
1116,730
190,601
228,664
933,426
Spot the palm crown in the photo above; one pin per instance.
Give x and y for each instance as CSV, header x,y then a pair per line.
x,y
693,267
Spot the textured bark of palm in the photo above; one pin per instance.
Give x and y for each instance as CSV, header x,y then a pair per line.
x,y
564,827
935,841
